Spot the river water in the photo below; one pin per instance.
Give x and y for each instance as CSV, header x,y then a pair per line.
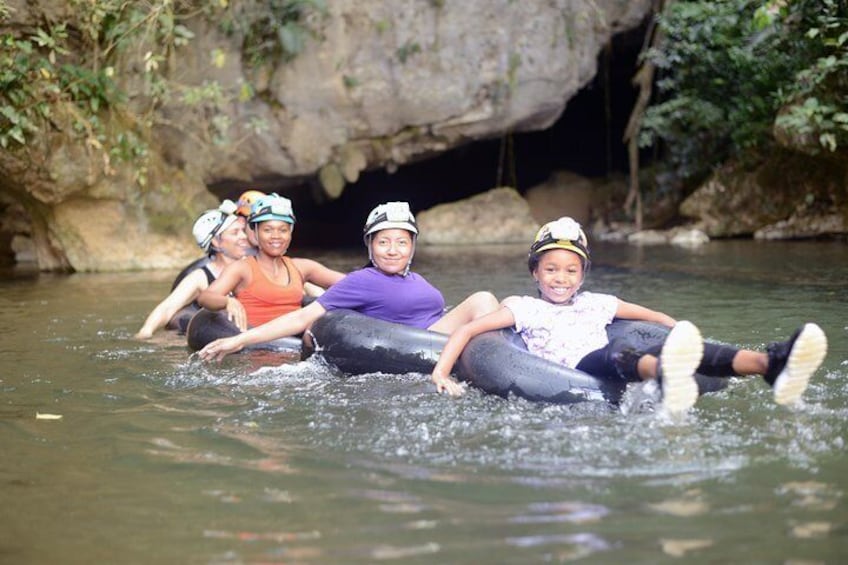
x,y
160,460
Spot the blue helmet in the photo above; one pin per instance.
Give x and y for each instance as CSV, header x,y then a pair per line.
x,y
271,207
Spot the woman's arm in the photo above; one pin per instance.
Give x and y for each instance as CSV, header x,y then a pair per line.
x,y
630,311
500,318
283,326
315,272
216,297
312,290
186,291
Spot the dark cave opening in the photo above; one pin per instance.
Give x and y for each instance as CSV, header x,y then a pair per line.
x,y
586,140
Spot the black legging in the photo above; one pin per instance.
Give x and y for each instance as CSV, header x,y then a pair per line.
x,y
617,360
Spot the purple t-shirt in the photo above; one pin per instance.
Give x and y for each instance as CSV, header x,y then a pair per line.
x,y
409,300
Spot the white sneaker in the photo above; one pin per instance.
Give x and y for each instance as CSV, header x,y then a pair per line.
x,y
807,352
681,354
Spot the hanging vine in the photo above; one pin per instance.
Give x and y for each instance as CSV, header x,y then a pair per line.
x,y
644,81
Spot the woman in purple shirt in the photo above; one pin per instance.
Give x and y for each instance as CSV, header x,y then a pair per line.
x,y
386,290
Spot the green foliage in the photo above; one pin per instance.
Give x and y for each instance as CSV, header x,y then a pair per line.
x,y
350,82
19,108
817,102
727,68
33,81
407,50
64,76
68,67
276,30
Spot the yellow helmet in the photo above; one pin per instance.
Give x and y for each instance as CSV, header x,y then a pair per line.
x,y
564,233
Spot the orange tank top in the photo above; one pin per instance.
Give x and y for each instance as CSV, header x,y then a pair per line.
x,y
264,300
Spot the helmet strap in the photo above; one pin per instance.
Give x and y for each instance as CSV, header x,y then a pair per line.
x,y
411,255
368,239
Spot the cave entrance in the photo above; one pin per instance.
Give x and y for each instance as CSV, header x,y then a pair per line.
x,y
585,140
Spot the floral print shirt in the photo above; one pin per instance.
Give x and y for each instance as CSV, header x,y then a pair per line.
x,y
564,333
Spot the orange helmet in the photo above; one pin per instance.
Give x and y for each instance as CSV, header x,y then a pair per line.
x,y
246,200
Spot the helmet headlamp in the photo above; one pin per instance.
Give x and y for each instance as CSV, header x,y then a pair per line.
x,y
564,233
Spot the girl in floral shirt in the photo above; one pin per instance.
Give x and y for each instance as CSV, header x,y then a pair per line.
x,y
569,327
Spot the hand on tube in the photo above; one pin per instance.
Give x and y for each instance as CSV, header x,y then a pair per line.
x,y
220,348
236,313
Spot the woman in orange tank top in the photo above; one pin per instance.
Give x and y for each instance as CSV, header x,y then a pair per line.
x,y
269,284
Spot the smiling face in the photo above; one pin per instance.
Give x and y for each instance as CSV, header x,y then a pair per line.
x,y
559,274
274,237
232,242
391,250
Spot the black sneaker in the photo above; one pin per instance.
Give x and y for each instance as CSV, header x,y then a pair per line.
x,y
681,354
791,363
626,364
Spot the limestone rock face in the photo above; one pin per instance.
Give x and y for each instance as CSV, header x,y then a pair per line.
x,y
378,85
389,82
569,194
786,197
500,215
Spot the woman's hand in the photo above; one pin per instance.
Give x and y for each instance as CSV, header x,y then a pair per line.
x,y
236,313
220,348
445,383
143,334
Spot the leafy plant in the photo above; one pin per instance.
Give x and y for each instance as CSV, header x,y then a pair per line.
x,y
68,66
350,81
407,50
71,67
277,30
728,68
817,101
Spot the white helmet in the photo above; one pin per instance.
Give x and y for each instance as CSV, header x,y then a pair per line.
x,y
390,215
212,222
